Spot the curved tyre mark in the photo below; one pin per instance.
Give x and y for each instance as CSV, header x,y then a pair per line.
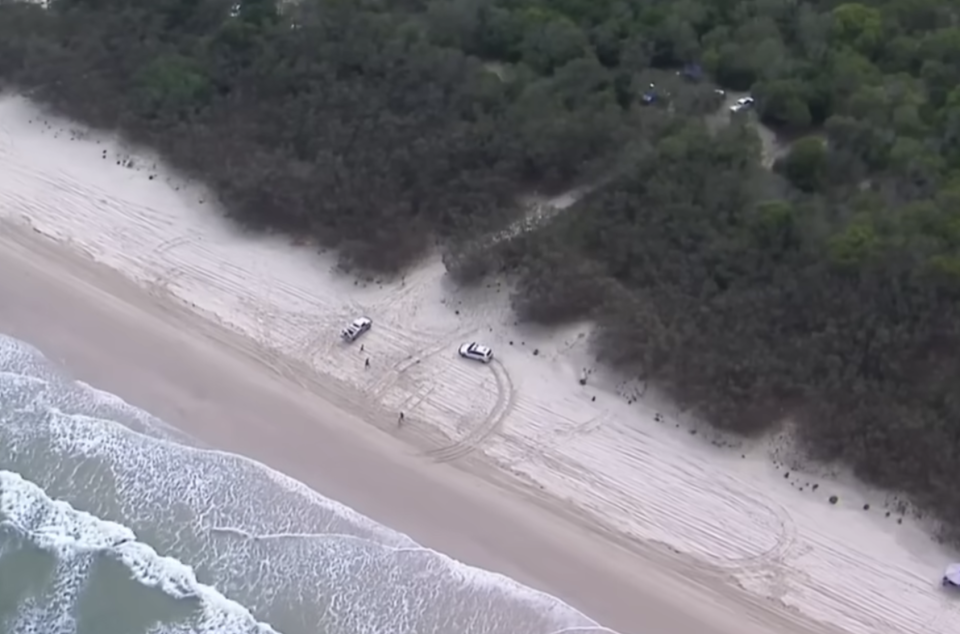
x,y
171,244
409,288
786,540
390,378
493,423
554,437
160,285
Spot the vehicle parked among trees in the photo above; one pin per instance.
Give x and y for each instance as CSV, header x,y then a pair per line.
x,y
743,103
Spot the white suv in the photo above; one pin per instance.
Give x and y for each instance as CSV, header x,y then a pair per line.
x,y
476,352
359,326
742,103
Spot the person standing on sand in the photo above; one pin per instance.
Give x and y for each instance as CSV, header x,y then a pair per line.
x,y
366,363
400,420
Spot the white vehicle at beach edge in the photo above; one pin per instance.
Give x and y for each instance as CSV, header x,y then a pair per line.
x,y
356,329
476,352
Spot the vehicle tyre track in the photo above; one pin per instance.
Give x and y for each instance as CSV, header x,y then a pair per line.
x,y
493,423
773,556
532,448
170,244
420,278
417,399
391,376
945,619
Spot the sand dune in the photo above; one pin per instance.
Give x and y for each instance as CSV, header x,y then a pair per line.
x,y
597,448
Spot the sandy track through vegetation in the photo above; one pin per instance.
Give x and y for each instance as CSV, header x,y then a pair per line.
x,y
586,444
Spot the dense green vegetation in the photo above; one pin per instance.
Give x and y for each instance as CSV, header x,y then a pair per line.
x,y
826,290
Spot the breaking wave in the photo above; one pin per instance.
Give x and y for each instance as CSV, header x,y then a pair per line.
x,y
119,524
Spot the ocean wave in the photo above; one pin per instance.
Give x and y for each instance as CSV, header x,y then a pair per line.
x,y
303,562
74,536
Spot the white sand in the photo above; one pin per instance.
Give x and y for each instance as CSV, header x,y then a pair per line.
x,y
527,413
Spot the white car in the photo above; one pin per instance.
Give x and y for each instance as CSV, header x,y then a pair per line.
x,y
476,352
742,104
356,328
951,578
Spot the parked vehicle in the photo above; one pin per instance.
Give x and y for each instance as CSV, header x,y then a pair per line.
x,y
476,352
356,328
951,577
743,103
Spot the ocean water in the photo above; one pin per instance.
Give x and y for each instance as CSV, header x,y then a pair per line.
x,y
113,522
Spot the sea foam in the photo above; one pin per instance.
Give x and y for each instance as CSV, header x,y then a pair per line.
x,y
302,563
56,526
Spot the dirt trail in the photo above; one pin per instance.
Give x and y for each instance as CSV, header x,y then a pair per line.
x,y
774,147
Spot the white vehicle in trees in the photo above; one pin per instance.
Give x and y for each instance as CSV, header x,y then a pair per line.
x,y
743,103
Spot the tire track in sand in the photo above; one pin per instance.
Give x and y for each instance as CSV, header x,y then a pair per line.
x,y
162,282
491,424
948,615
767,569
776,554
392,376
267,351
764,559
417,398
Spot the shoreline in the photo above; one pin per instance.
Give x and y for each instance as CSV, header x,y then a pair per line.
x,y
645,485
107,314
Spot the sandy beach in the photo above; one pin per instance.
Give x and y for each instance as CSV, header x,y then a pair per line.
x,y
188,371
595,493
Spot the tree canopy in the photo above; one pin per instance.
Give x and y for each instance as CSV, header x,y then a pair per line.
x,y
825,290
